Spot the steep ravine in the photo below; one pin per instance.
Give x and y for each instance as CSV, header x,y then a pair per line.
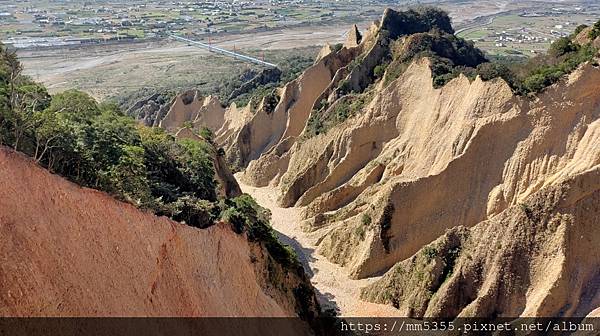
x,y
381,178
335,289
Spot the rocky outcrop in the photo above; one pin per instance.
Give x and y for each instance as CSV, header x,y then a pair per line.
x,y
191,107
325,50
583,38
407,176
87,254
181,110
210,115
353,37
456,155
266,76
536,258
151,110
474,145
269,132
416,164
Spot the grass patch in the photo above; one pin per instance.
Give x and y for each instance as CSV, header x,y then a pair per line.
x,y
324,116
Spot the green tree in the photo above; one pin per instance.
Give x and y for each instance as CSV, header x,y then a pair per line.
x,y
561,46
20,99
128,176
105,142
379,70
29,98
197,164
52,132
75,105
167,181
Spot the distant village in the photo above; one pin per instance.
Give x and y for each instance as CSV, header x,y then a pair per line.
x,y
524,36
26,25
90,23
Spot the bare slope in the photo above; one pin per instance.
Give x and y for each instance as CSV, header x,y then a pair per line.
x,y
418,160
538,258
71,251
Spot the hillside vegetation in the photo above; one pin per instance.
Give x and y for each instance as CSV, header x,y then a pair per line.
x,y
96,145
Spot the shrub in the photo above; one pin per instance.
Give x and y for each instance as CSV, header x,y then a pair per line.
x,y
321,119
341,111
595,32
385,225
379,70
450,261
543,73
578,30
492,70
344,87
315,125
561,46
429,252
206,133
360,232
321,105
270,101
235,218
195,212
449,55
394,70
247,216
366,219
305,297
415,20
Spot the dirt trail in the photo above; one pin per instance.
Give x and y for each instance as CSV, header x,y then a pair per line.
x,y
335,289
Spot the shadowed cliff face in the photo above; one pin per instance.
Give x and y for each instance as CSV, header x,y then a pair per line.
x,y
72,251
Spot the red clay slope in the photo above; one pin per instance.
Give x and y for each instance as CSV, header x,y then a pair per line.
x,y
72,251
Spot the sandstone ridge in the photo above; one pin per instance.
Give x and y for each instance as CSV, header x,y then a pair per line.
x,y
388,165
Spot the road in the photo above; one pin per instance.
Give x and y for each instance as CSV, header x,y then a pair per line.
x,y
476,24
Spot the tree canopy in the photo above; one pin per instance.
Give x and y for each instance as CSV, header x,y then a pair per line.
x,y
97,146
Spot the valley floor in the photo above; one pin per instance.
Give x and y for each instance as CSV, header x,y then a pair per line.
x,y
334,288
